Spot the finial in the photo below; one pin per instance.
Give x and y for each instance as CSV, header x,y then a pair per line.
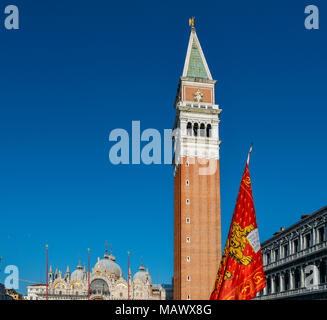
x,y
141,266
191,22
110,249
79,263
106,255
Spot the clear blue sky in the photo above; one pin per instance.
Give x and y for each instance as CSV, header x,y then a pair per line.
x,y
78,69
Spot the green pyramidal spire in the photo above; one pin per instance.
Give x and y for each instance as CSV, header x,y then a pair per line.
x,y
195,62
196,67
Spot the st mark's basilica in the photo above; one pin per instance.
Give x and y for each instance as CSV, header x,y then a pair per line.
x,y
106,283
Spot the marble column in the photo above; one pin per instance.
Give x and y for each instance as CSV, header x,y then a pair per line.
x,y
281,282
291,277
272,283
302,275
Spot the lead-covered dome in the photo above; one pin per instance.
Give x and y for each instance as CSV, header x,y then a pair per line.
x,y
77,274
142,275
108,265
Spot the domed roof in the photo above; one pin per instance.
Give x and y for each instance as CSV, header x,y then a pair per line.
x,y
78,273
142,275
108,265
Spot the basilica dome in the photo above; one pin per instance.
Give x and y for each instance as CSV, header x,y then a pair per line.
x,y
108,265
142,275
77,275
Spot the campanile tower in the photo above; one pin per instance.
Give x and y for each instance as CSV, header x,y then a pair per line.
x,y
197,232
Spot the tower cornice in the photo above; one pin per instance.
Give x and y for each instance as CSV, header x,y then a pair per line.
x,y
198,80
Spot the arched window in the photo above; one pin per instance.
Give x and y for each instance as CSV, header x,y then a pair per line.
x,y
286,281
202,130
209,130
297,278
195,129
189,128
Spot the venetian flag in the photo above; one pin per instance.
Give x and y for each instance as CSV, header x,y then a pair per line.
x,y
240,275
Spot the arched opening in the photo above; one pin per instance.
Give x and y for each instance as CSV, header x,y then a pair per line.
x,y
202,130
286,281
209,130
99,287
268,283
195,129
277,283
189,128
322,272
297,279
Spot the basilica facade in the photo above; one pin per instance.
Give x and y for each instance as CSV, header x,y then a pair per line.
x,y
106,282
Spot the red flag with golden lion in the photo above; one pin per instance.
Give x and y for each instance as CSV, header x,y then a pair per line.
x,y
240,275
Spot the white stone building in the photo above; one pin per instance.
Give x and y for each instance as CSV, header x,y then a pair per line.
x,y
295,260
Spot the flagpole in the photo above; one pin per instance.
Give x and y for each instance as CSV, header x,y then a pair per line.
x,y
88,273
46,281
128,276
248,160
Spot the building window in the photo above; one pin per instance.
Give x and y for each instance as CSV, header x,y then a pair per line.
x,y
297,279
187,182
268,283
285,248
277,283
188,220
307,240
189,129
187,201
195,129
188,297
321,234
276,254
188,258
209,131
188,278
187,164
188,239
202,130
268,258
295,246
